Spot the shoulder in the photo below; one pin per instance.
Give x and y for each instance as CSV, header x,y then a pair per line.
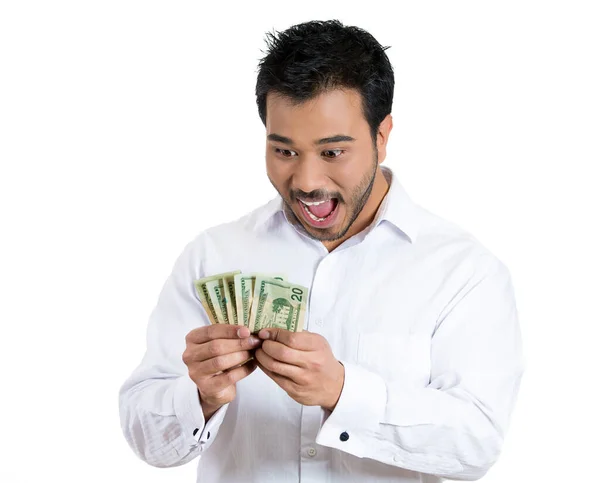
x,y
231,236
452,243
243,228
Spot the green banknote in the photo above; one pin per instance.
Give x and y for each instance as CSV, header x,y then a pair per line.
x,y
205,298
229,286
255,300
216,292
243,283
244,293
277,303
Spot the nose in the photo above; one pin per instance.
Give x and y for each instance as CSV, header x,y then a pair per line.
x,y
309,174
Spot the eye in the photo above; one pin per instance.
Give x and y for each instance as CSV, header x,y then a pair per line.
x,y
283,151
341,151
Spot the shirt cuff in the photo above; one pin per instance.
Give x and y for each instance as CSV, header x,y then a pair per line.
x,y
359,411
207,435
189,413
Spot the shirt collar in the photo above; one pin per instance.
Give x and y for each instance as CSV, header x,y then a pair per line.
x,y
397,208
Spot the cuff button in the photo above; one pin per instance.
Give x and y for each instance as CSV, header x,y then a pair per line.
x,y
344,436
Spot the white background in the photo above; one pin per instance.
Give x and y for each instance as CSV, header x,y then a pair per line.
x,y
127,127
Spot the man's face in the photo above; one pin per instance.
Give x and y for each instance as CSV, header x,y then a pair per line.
x,y
305,168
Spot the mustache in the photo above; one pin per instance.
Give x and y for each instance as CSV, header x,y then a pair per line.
x,y
315,195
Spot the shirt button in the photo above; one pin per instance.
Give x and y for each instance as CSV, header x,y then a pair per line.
x,y
319,322
397,457
312,452
344,436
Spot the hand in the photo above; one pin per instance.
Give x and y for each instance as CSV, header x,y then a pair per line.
x,y
210,354
302,364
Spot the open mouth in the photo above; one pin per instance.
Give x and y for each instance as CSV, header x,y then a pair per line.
x,y
320,214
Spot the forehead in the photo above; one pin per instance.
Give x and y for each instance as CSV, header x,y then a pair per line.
x,y
336,111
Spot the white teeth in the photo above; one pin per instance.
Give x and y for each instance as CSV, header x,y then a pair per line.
x,y
315,203
313,217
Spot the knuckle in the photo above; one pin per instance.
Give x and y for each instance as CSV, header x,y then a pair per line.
x,y
292,339
214,347
316,364
302,379
193,373
230,377
210,330
286,353
218,363
277,367
295,388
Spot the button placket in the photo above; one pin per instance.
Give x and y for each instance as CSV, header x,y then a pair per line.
x,y
317,292
312,467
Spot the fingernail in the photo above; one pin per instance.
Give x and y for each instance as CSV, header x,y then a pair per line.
x,y
254,340
245,334
263,334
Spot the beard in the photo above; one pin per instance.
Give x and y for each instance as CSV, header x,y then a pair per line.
x,y
358,199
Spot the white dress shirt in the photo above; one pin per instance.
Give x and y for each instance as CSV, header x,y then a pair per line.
x,y
420,314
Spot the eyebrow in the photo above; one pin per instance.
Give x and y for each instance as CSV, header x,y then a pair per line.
x,y
332,139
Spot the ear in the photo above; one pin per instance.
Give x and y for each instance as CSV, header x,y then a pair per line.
x,y
383,134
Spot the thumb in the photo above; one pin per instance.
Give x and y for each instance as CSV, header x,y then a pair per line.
x,y
268,334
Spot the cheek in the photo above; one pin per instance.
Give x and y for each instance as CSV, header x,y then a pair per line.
x,y
275,172
276,165
347,175
351,174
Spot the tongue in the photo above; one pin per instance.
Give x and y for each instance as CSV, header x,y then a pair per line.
x,y
322,210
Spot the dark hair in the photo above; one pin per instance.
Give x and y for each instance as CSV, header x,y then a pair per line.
x,y
310,58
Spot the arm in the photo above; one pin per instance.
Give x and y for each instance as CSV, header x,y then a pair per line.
x,y
454,427
160,410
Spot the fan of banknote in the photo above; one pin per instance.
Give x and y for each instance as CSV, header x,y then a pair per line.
x,y
255,300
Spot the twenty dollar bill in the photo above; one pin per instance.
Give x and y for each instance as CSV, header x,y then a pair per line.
x,y
277,304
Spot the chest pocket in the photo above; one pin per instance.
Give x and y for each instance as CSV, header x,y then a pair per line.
x,y
396,357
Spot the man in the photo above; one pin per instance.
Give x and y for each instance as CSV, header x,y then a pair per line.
x,y
410,361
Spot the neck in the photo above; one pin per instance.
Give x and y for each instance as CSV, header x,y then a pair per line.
x,y
367,214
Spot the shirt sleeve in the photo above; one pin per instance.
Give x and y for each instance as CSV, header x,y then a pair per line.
x,y
455,426
159,405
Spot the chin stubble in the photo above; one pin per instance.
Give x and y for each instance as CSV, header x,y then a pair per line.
x,y
358,200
